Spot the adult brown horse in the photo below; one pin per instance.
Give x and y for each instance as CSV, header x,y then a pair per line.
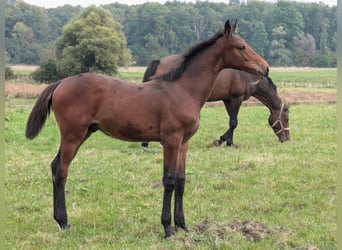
x,y
165,109
233,87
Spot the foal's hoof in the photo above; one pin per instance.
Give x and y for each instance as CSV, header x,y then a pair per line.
x,y
169,232
217,143
64,226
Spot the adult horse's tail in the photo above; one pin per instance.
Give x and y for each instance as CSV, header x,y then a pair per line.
x,y
40,111
150,70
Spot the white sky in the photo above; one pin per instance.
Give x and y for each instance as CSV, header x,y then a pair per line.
x,y
84,3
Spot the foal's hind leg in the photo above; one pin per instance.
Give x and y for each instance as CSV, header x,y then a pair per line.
x,y
58,184
59,167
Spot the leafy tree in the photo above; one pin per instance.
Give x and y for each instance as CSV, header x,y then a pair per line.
x,y
234,2
147,31
279,55
305,52
154,30
91,42
59,17
22,47
286,15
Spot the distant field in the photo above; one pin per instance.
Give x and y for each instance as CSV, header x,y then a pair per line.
x,y
282,76
294,84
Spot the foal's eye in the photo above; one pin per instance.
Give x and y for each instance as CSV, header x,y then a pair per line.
x,y
242,47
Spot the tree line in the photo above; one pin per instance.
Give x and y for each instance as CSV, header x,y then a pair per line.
x,y
285,33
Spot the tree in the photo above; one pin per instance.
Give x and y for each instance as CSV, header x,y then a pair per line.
x,y
22,47
91,42
279,55
305,50
255,34
286,14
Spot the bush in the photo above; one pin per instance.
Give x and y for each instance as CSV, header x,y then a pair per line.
x,y
47,72
8,73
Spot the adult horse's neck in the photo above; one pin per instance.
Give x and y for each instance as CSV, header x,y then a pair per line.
x,y
266,92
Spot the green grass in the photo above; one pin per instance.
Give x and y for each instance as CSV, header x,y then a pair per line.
x,y
308,79
315,78
114,192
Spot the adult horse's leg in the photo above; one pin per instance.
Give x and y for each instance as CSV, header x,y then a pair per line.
x,y
179,188
171,150
59,168
144,144
232,107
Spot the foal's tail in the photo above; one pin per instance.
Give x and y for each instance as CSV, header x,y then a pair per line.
x,y
151,70
40,111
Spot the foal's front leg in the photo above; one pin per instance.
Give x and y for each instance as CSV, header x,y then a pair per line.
x,y
169,179
179,188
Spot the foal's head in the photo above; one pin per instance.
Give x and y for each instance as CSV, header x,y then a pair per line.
x,y
241,56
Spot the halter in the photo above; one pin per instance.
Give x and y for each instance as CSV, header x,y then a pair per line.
x,y
282,128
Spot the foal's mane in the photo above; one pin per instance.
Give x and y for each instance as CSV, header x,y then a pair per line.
x,y
176,73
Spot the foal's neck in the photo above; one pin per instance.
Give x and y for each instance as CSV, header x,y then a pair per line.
x,y
200,75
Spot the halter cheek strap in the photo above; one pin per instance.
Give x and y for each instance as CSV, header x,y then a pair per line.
x,y
282,128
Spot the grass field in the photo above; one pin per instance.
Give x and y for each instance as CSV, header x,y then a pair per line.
x,y
286,193
261,195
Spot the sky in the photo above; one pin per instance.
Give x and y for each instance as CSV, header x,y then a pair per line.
x,y
85,3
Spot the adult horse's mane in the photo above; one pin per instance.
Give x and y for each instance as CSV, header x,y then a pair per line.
x,y
176,73
271,83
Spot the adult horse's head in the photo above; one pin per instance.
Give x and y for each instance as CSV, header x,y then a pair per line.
x,y
241,55
279,122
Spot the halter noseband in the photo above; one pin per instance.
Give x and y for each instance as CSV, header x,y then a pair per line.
x,y
282,128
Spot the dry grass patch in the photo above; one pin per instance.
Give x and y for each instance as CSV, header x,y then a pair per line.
x,y
23,90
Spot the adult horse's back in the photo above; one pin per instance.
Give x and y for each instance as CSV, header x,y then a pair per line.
x,y
165,109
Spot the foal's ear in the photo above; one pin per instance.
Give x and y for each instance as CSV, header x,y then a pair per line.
x,y
234,27
228,29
